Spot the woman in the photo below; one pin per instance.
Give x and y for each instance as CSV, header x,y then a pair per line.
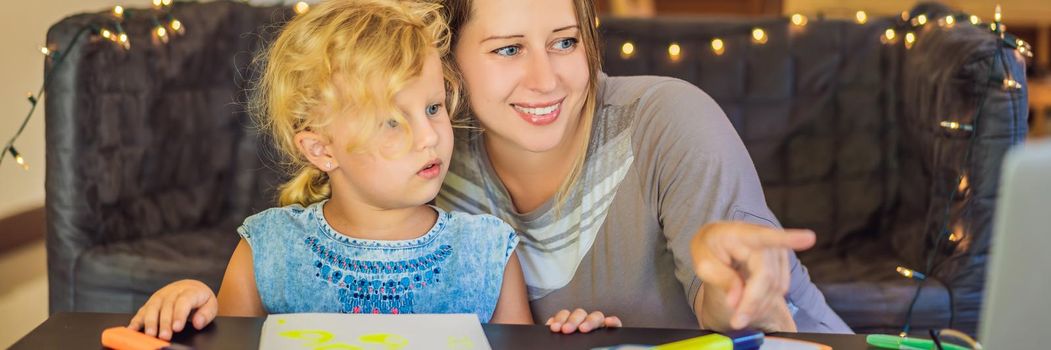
x,y
626,192
621,188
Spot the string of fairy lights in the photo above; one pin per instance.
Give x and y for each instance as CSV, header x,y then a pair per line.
x,y
908,25
111,28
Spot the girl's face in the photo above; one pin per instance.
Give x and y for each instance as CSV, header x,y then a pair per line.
x,y
525,71
384,174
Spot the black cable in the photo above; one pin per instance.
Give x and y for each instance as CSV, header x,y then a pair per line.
x,y
936,339
35,100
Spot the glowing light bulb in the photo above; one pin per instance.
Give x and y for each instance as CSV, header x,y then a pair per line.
x,y
759,36
718,47
799,20
674,51
627,50
861,17
302,7
18,157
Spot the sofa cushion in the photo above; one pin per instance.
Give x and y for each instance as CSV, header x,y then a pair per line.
x,y
881,298
120,276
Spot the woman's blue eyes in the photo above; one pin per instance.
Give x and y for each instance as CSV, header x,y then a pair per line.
x,y
564,44
507,51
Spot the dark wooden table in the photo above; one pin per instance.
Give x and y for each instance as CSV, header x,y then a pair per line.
x,y
83,330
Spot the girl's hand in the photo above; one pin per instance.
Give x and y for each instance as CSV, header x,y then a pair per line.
x,y
568,322
167,309
745,271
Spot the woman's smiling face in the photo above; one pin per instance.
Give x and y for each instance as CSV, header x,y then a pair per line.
x,y
525,70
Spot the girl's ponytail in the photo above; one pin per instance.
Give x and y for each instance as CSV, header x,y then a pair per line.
x,y
310,185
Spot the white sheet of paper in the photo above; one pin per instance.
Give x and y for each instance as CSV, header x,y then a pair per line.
x,y
367,331
777,343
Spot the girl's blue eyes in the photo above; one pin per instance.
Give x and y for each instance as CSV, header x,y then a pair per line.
x,y
431,111
434,109
564,44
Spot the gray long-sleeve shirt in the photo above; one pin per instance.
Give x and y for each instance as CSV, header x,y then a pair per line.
x,y
663,160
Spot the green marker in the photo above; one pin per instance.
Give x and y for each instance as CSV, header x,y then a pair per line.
x,y
884,341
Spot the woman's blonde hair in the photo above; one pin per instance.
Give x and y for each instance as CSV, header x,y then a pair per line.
x,y
343,56
459,13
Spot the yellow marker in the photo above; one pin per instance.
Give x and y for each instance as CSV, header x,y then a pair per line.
x,y
707,342
715,341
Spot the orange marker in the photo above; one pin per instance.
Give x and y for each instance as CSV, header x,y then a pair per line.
x,y
122,338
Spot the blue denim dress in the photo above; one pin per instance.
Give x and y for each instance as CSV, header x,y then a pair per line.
x,y
303,265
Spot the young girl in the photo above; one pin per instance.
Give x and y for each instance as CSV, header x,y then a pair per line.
x,y
354,93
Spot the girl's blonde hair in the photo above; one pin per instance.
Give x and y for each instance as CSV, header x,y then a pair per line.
x,y
340,57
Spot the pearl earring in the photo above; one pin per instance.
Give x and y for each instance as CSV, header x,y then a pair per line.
x,y
328,165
